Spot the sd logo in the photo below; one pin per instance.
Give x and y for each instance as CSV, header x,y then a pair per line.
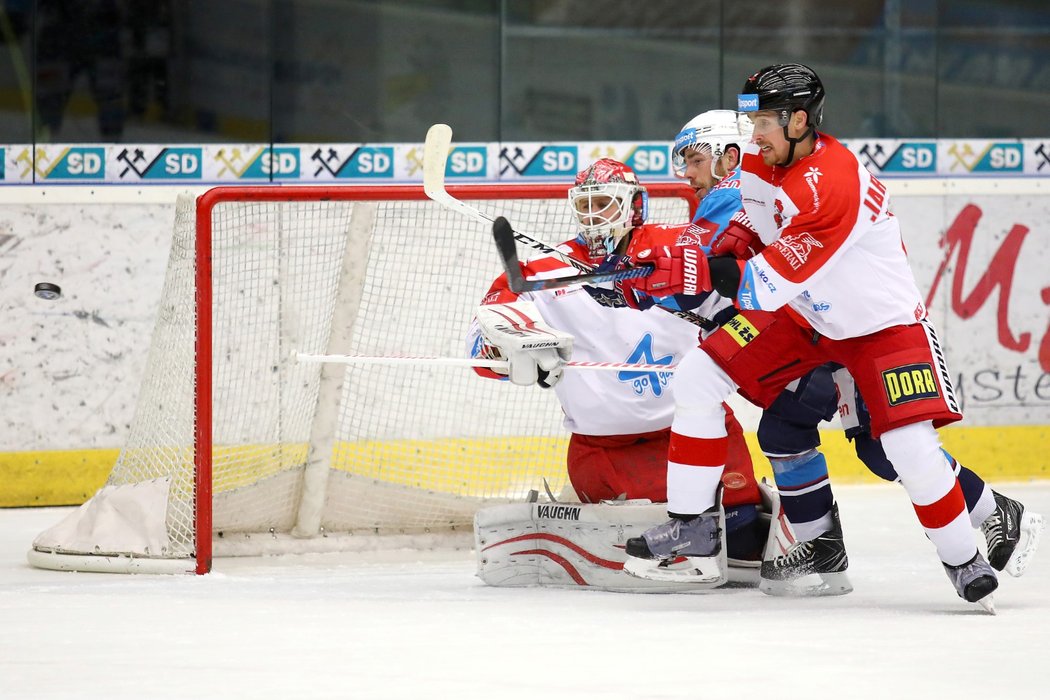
x,y
909,383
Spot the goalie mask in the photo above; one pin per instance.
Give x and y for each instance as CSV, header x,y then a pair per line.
x,y
608,201
711,132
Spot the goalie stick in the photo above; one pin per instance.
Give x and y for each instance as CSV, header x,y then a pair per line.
x,y
435,156
401,360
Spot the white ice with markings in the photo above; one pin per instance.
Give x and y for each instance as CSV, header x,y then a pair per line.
x,y
420,625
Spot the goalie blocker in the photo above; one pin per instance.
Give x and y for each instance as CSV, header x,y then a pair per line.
x,y
575,544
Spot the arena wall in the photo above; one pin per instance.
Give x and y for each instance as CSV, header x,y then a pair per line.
x,y
70,368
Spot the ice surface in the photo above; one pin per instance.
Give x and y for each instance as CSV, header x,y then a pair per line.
x,y
420,625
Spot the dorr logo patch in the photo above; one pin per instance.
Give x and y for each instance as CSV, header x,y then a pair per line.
x,y
910,383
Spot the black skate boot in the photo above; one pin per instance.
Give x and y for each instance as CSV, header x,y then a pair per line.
x,y
816,567
1012,534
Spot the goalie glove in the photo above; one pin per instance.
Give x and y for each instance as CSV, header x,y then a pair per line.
x,y
535,352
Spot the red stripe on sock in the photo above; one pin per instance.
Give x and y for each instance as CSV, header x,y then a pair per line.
x,y
942,511
698,452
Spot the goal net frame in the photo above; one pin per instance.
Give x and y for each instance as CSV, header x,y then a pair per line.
x,y
54,555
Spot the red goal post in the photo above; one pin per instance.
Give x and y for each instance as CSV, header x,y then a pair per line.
x,y
236,444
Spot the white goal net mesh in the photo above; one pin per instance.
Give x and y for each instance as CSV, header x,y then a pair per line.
x,y
392,449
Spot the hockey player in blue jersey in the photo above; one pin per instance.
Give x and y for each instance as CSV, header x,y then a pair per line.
x,y
707,152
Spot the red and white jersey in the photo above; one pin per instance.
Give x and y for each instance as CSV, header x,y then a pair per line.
x,y
834,251
605,403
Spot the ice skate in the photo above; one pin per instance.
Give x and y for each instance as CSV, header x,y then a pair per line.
x,y
1012,533
813,568
974,581
681,549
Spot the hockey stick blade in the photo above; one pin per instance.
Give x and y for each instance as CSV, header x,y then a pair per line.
x,y
435,156
503,234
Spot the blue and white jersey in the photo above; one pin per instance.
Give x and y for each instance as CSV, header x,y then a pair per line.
x,y
718,207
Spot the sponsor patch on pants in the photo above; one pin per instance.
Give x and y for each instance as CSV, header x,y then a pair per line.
x,y
741,330
910,383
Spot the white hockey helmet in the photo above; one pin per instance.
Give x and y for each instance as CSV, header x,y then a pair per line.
x,y
608,201
712,131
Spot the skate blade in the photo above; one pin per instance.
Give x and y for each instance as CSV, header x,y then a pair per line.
x,y
1032,525
988,603
703,571
811,586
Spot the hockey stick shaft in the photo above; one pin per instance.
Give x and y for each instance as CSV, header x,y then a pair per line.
x,y
419,360
504,237
435,156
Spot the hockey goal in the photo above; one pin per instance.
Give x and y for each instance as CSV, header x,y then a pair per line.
x,y
237,447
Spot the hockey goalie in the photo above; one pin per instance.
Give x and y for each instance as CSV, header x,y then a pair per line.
x,y
619,422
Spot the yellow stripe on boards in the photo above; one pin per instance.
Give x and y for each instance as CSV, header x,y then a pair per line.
x,y
490,465
54,477
995,453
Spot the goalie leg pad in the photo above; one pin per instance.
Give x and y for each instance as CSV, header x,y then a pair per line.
x,y
576,545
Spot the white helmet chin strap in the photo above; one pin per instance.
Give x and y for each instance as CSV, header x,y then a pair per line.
x,y
716,155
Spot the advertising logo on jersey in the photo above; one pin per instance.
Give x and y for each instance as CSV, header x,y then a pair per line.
x,y
909,383
66,163
254,162
897,157
960,156
643,381
342,162
531,161
159,163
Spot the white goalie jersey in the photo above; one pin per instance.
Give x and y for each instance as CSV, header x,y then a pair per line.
x,y
603,403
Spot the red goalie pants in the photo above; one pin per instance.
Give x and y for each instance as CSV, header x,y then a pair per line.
x,y
605,466
900,370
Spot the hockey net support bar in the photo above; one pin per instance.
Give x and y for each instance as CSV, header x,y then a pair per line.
x,y
346,443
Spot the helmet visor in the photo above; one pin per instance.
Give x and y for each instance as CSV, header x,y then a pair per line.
x,y
768,121
695,153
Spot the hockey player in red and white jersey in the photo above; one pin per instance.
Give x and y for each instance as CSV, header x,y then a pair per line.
x,y
832,284
619,421
707,152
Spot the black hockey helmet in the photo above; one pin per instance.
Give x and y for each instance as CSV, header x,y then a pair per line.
x,y
788,86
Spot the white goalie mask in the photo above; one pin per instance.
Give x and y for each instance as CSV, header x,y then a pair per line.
x,y
608,201
711,132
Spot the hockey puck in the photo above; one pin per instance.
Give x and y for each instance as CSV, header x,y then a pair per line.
x,y
46,290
